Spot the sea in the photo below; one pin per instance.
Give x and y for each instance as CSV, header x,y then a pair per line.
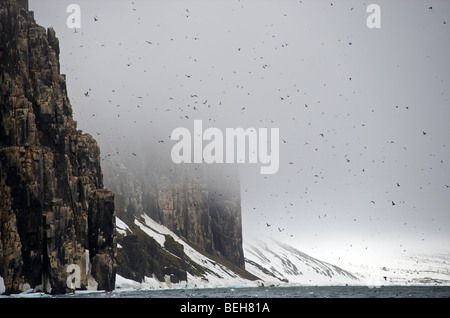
x,y
276,292
268,301
438,291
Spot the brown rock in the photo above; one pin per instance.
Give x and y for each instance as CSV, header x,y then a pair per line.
x,y
54,211
199,203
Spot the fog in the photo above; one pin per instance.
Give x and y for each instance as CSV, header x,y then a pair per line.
x,y
362,113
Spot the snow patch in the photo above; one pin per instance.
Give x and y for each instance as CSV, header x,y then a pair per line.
x,y
2,285
216,274
92,284
121,227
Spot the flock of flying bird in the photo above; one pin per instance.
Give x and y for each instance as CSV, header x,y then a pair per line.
x,y
198,102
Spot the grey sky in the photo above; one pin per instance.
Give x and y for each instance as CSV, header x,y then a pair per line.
x,y
306,67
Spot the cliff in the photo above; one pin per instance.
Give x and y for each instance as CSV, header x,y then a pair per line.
x,y
199,203
150,255
54,211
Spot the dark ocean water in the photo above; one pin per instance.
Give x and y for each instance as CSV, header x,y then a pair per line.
x,y
279,292
274,301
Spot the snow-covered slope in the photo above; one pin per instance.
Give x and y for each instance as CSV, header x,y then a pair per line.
x,y
414,269
274,263
215,274
277,263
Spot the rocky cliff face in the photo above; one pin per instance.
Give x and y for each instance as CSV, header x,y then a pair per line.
x,y
53,209
199,203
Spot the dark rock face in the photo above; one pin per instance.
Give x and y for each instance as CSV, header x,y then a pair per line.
x,y
199,203
53,209
141,256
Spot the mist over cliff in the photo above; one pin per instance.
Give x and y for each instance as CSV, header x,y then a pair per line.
x,y
200,203
352,104
57,220
362,115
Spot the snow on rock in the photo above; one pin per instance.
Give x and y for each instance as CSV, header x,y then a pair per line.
x,y
2,285
121,227
215,273
276,263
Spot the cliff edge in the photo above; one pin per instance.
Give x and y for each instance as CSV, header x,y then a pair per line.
x,y
54,211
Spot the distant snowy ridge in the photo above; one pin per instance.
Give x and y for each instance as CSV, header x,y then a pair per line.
x,y
277,263
414,269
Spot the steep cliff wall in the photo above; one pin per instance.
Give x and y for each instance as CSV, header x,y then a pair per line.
x,y
53,209
200,203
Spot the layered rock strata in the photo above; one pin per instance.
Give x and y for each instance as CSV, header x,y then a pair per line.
x,y
200,203
54,211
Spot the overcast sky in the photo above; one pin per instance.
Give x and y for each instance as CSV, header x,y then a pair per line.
x,y
363,113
